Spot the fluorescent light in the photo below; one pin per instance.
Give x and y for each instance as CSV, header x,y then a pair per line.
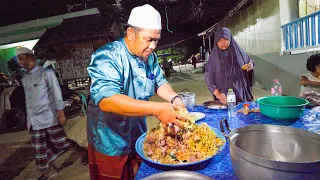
x,y
28,44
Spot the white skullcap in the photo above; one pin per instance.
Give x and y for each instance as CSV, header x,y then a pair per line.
x,y
145,17
23,50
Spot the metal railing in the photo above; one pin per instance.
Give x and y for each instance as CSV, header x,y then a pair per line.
x,y
302,33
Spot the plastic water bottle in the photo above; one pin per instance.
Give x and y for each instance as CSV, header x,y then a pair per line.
x,y
231,101
276,89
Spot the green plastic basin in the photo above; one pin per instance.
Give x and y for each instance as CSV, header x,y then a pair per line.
x,y
282,107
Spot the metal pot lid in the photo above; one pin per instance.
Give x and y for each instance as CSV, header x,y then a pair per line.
x,y
270,145
178,175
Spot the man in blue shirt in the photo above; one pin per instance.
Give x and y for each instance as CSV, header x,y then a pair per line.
x,y
125,74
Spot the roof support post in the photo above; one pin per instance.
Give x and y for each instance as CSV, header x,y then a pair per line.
x,y
210,43
203,41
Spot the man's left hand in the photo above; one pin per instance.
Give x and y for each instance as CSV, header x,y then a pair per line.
x,y
61,117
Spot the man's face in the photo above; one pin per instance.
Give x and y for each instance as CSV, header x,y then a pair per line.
x,y
27,61
223,44
143,41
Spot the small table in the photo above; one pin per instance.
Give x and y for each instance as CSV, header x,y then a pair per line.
x,y
221,167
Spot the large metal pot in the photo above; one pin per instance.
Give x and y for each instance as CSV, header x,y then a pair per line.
x,y
189,98
274,152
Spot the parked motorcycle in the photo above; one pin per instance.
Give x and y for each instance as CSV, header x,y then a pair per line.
x,y
14,119
75,103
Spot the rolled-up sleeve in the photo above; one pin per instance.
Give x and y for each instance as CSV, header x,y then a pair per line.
x,y
55,89
159,79
209,76
105,72
245,56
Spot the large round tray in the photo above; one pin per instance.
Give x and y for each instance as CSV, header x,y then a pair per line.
x,y
214,104
186,166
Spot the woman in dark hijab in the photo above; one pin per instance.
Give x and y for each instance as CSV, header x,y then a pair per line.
x,y
229,67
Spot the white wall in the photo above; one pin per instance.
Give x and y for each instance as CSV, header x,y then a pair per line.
x,y
286,68
258,30
307,7
289,10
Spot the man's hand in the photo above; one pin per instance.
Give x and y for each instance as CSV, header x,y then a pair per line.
x,y
167,114
61,117
222,97
178,103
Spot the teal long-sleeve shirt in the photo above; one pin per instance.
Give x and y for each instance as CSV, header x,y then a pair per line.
x,y
114,70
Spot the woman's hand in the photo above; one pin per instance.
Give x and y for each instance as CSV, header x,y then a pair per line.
x,y
247,67
250,67
222,97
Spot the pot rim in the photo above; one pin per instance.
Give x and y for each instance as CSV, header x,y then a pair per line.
x,y
272,164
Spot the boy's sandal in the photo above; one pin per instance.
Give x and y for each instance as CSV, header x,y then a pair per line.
x,y
43,177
